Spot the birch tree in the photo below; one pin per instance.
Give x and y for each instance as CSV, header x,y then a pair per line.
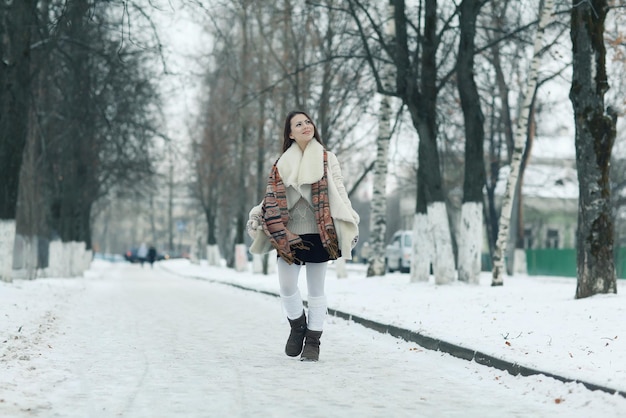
x,y
414,59
378,205
595,136
518,148
378,216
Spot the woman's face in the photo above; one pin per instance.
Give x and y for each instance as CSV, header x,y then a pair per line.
x,y
302,130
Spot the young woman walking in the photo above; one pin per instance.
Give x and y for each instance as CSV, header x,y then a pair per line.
x,y
307,217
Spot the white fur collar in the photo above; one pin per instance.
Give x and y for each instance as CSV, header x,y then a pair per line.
x,y
297,167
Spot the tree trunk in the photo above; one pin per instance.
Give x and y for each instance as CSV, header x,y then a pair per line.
x,y
595,135
378,216
16,26
7,241
170,202
378,211
31,215
422,253
520,136
470,233
421,101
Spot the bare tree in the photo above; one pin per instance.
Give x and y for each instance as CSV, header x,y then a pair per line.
x,y
520,136
280,56
595,136
16,27
470,240
210,165
95,119
414,58
378,212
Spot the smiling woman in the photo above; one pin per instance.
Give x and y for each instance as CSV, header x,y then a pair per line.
x,y
302,130
299,128
307,217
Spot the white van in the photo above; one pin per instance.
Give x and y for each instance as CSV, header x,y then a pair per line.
x,y
398,252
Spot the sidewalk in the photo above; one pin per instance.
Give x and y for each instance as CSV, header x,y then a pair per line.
x,y
530,325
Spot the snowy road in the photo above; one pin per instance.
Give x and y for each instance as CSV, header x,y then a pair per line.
x,y
133,342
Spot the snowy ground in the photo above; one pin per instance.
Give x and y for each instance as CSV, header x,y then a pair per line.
x,y
129,342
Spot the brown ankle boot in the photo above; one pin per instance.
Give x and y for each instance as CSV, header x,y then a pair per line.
x,y
311,350
293,348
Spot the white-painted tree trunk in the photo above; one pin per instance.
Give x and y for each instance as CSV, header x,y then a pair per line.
x,y
196,248
422,249
193,254
443,257
241,257
257,263
25,253
271,258
31,255
67,259
470,242
7,241
88,258
82,259
378,212
264,263
213,255
55,260
520,261
518,150
378,217
340,268
76,250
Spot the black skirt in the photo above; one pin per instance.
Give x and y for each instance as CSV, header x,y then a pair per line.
x,y
316,253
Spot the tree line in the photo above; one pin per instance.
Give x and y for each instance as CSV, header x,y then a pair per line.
x,y
81,113
457,74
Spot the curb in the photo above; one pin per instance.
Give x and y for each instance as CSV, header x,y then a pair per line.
x,y
434,344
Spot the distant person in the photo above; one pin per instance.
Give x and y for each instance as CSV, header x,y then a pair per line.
x,y
307,217
152,254
142,253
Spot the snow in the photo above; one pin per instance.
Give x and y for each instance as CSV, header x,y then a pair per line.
x,y
185,339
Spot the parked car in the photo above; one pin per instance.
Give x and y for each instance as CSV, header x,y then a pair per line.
x,y
398,252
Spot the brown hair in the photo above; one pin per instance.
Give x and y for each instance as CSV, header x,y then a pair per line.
x,y
286,140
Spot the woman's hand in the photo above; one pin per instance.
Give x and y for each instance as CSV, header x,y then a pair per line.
x,y
253,225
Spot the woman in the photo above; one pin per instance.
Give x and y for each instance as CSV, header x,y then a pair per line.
x,y
307,218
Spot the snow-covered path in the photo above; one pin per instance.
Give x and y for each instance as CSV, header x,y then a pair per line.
x,y
133,342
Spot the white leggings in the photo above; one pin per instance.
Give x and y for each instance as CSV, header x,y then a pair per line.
x,y
290,293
